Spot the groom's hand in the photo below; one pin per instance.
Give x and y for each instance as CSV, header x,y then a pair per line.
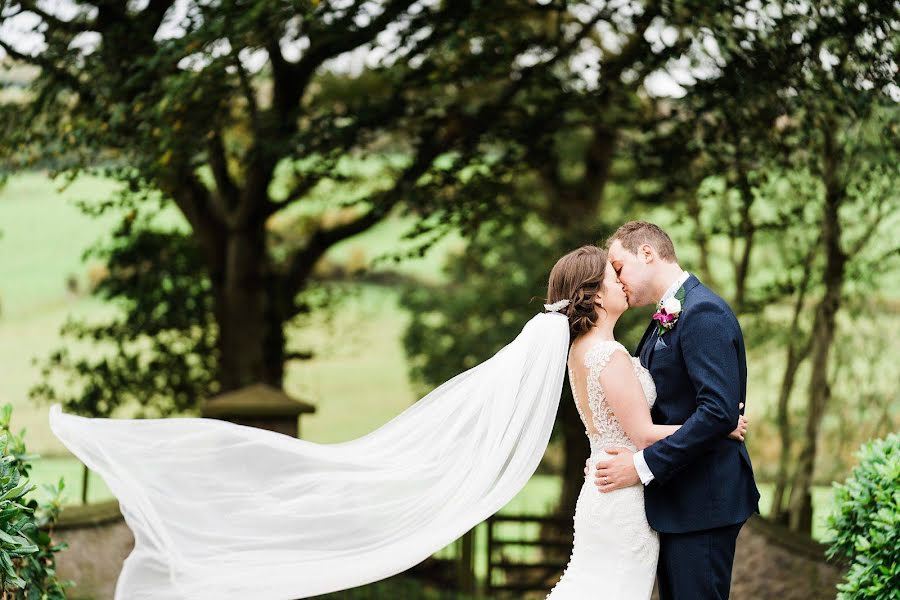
x,y
617,472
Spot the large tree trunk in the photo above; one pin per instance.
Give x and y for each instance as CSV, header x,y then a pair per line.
x,y
251,338
800,508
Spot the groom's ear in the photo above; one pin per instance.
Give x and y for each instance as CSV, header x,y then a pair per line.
x,y
647,253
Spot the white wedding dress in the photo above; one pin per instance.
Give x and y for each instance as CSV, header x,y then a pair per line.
x,y
615,551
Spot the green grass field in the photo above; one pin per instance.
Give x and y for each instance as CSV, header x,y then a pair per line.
x,y
357,381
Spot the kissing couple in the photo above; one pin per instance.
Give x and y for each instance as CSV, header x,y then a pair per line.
x,y
221,510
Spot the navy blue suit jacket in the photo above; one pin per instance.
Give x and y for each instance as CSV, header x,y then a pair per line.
x,y
702,478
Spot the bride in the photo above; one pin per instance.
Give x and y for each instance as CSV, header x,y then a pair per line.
x,y
220,510
615,551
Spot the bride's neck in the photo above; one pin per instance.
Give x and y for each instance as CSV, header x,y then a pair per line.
x,y
604,328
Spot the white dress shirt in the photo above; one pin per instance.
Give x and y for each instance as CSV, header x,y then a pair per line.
x,y
639,463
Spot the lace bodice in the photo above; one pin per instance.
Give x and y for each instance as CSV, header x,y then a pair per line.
x,y
601,425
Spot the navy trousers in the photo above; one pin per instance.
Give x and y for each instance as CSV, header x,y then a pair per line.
x,y
696,565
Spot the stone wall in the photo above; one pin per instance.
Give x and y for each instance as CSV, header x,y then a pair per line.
x,y
770,562
99,540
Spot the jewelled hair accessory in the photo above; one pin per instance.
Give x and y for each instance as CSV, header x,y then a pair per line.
x,y
557,306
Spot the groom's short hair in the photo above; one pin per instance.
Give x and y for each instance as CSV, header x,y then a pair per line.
x,y
633,234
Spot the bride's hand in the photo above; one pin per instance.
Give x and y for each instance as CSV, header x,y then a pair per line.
x,y
741,429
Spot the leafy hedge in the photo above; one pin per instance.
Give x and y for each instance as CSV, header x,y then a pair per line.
x,y
27,561
866,523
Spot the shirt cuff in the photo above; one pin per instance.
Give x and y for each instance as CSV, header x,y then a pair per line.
x,y
641,466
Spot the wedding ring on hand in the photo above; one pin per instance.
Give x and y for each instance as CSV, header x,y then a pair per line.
x,y
605,479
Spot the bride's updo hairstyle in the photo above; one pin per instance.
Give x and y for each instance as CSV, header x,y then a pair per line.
x,y
578,277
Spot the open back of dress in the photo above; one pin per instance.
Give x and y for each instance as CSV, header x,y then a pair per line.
x,y
601,425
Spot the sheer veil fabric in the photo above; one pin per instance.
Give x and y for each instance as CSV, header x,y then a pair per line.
x,y
220,510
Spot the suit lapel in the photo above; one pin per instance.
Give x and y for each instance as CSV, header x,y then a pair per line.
x,y
651,343
648,341
643,349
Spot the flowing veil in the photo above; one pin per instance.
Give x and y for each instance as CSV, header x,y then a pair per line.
x,y
220,510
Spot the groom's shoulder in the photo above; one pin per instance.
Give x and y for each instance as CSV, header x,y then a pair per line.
x,y
703,300
702,294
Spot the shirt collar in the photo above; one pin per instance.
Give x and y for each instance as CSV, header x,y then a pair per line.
x,y
674,287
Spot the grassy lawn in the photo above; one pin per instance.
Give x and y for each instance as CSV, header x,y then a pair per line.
x,y
42,237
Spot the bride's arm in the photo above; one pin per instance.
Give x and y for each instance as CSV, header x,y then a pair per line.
x,y
625,397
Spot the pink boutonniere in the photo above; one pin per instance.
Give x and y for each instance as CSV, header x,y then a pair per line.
x,y
667,312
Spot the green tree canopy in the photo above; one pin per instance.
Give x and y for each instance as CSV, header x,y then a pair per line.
x,y
242,116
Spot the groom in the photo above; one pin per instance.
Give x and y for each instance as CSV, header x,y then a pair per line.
x,y
699,486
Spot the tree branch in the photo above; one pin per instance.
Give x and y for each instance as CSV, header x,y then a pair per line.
x,y
286,92
68,79
300,265
193,199
154,14
302,188
613,68
866,237
490,112
246,88
338,40
76,25
345,21
218,162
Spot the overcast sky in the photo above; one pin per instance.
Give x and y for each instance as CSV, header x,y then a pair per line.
x,y
14,31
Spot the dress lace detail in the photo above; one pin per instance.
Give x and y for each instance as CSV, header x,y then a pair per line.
x,y
615,551
607,430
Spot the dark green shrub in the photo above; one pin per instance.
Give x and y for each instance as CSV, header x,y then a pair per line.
x,y
27,561
866,523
